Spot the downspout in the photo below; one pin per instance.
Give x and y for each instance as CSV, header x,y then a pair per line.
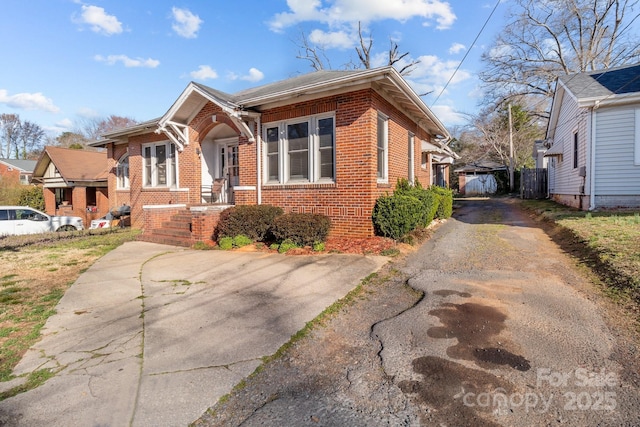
x,y
592,152
259,159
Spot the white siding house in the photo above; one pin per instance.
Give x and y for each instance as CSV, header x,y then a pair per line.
x,y
594,139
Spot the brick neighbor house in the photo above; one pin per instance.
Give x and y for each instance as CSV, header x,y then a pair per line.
x,y
16,170
328,142
74,182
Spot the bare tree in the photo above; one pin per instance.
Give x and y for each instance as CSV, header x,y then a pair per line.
x,y
545,39
9,134
364,51
488,137
318,59
314,54
31,136
94,128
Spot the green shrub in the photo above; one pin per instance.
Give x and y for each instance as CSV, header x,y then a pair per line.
x,y
241,240
445,207
31,196
303,229
318,246
286,245
226,243
396,215
253,221
429,199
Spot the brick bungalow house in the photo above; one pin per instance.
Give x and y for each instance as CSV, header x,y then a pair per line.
x,y
328,142
16,170
74,182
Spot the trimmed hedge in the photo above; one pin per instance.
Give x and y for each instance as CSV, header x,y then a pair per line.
x,y
396,215
253,221
445,207
410,207
303,229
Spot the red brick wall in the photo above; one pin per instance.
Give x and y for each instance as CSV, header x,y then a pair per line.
x,y
348,201
12,175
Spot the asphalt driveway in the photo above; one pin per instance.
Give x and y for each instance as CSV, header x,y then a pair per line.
x,y
154,334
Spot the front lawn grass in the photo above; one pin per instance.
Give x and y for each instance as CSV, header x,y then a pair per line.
x,y
611,241
36,272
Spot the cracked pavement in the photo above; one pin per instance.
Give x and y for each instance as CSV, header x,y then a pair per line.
x,y
154,334
488,323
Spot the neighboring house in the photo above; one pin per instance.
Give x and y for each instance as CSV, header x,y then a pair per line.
x,y
593,137
74,182
478,178
539,150
328,142
17,170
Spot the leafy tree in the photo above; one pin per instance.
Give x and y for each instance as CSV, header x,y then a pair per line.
x,y
545,39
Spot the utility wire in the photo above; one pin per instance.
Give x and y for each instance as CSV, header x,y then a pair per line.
x,y
467,53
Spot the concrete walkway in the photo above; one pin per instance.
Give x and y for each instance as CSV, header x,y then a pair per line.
x,y
154,334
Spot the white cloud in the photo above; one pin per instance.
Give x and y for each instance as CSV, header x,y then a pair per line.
x,y
186,23
336,39
65,124
128,62
88,113
438,72
204,72
448,115
28,101
457,48
254,75
99,20
342,11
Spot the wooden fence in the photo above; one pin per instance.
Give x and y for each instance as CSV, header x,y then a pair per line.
x,y
533,183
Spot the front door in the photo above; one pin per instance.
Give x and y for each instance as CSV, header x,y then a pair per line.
x,y
230,167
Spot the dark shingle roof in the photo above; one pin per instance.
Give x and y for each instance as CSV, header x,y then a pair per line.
x,y
603,83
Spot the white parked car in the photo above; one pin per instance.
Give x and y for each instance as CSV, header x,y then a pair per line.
x,y
105,221
16,220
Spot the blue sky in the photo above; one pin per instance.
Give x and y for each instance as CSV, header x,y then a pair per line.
x,y
65,60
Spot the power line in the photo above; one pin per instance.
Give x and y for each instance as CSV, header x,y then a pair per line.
x,y
467,53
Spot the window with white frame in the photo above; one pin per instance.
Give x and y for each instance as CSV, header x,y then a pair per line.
x,y
159,165
122,172
300,150
411,160
383,148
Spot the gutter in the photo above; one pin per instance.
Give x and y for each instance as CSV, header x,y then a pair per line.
x,y
592,153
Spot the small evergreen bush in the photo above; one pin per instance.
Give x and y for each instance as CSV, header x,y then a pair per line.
x,y
429,199
226,243
241,240
286,245
303,229
396,215
31,196
445,207
253,221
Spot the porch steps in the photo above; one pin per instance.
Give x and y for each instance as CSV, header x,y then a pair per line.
x,y
175,232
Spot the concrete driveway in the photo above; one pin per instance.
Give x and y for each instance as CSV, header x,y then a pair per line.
x,y
154,334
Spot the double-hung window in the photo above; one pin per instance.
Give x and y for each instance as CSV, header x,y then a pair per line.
x,y
383,148
300,150
122,172
160,165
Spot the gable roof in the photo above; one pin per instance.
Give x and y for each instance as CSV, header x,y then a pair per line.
x,y
613,86
249,103
74,165
23,165
595,88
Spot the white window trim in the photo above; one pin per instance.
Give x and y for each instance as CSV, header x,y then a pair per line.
x,y
172,163
412,158
384,179
283,151
127,185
